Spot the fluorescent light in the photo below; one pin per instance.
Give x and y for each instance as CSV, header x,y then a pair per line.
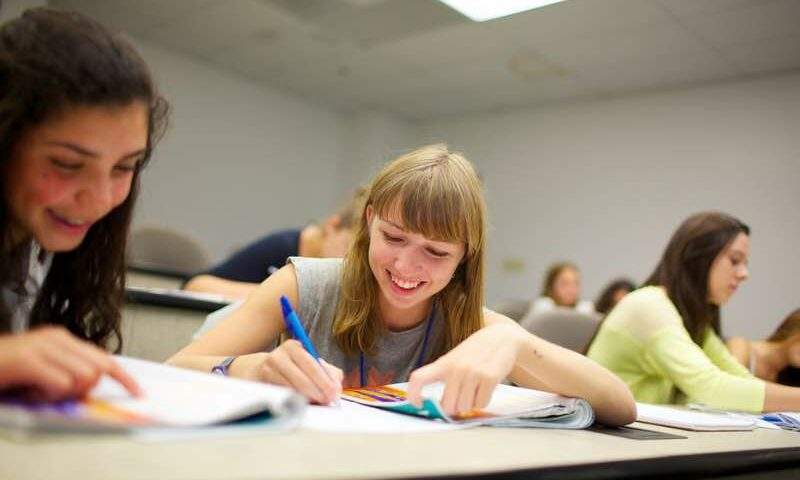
x,y
482,10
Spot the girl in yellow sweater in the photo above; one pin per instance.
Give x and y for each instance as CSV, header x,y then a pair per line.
x,y
663,339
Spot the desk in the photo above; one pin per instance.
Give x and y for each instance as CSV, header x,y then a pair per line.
x,y
140,277
480,453
155,332
155,326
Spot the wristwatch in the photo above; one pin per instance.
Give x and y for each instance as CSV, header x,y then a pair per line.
x,y
222,367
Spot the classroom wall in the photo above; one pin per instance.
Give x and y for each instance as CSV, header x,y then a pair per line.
x,y
13,8
374,138
239,159
604,183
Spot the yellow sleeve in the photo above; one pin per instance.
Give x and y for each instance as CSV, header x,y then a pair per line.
x,y
678,358
722,357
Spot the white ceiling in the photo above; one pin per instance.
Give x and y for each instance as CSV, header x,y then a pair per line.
x,y
419,59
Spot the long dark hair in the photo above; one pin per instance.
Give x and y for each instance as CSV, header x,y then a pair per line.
x,y
605,301
685,264
52,61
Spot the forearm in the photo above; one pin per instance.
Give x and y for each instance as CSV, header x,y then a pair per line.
x,y
220,286
781,398
240,368
543,365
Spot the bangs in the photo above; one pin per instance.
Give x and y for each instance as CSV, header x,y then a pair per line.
x,y
432,201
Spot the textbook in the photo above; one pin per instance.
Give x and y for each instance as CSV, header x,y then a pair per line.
x,y
687,419
509,406
172,397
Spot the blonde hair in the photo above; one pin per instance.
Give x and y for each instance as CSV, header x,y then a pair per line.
x,y
438,195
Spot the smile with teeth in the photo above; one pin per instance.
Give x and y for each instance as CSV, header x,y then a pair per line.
x,y
405,284
68,221
74,223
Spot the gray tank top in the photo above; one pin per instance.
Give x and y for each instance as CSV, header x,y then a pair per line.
x,y
396,354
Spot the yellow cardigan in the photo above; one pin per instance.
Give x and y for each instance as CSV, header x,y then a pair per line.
x,y
644,342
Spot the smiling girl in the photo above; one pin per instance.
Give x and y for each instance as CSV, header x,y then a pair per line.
x,y
406,304
663,339
78,119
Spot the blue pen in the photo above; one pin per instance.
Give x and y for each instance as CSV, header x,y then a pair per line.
x,y
298,333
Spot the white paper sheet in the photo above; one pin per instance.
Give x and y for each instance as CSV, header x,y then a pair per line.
x,y
351,417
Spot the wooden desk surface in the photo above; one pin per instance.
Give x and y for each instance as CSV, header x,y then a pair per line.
x,y
305,454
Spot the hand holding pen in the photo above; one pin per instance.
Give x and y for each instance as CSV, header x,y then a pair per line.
x,y
297,364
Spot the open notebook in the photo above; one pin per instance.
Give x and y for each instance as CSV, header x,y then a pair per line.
x,y
687,419
173,397
509,407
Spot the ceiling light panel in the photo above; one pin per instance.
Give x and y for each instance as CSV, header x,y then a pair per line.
x,y
481,10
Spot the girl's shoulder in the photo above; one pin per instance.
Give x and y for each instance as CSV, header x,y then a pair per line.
x,y
318,281
543,304
645,311
646,297
321,268
585,306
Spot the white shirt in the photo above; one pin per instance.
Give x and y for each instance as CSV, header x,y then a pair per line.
x,y
546,304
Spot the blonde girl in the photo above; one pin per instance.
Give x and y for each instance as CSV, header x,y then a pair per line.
x,y
405,304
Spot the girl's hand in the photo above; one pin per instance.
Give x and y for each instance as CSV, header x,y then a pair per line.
x,y
291,365
50,364
471,370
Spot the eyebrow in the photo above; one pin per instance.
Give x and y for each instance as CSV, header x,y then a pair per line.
x,y
90,153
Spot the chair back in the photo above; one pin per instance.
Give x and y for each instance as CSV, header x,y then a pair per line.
x,y
513,308
564,327
159,248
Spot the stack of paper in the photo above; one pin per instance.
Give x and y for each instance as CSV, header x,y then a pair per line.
x,y
692,419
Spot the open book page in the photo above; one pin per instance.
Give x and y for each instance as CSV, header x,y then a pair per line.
x,y
173,397
509,406
681,417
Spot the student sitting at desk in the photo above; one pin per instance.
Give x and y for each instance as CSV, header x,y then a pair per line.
x,y
777,358
405,304
663,338
561,289
240,274
79,116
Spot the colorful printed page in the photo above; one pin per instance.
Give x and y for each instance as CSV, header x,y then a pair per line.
x,y
172,397
510,406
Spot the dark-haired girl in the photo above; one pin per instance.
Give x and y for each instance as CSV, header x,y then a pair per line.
x,y
79,116
663,339
611,295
